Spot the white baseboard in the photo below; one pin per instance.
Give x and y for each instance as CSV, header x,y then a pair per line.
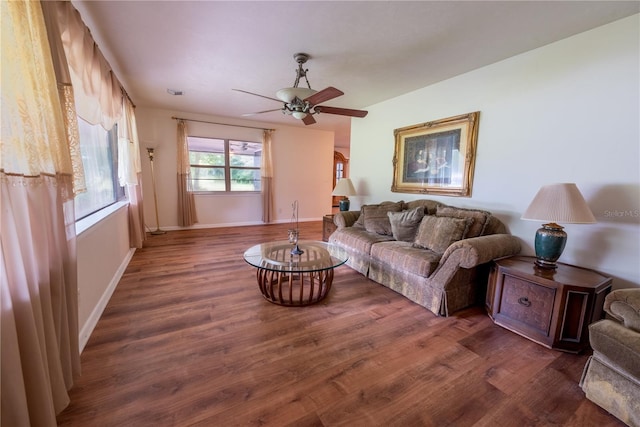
x,y
92,321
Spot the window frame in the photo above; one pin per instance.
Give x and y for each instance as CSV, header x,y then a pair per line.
x,y
119,194
226,168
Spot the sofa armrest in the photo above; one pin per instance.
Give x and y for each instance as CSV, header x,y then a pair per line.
x,y
480,250
624,306
344,219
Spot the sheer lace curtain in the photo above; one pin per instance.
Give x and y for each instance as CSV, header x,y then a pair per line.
x,y
38,279
186,202
66,93
267,177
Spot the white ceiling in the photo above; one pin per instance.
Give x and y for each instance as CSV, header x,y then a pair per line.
x,y
371,50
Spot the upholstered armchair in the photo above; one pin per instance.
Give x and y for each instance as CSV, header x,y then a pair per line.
x,y
611,377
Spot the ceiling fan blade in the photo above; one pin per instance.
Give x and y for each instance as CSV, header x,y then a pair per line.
x,y
260,112
341,111
308,120
324,95
255,94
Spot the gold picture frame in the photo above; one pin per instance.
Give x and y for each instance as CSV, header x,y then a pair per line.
x,y
436,157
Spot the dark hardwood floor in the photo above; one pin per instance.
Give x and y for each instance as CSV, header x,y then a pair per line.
x,y
187,339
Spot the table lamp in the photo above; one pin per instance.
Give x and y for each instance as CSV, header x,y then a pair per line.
x,y
344,188
556,203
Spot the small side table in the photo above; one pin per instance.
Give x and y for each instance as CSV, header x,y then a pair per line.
x,y
551,307
328,227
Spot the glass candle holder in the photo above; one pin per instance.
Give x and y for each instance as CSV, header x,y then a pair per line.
x,y
293,236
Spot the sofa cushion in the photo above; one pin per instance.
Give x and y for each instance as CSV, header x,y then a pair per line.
x,y
479,218
494,226
405,257
357,239
437,233
376,219
404,225
430,206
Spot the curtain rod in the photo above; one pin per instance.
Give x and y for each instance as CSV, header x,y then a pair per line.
x,y
216,123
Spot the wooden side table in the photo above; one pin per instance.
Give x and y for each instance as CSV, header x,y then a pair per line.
x,y
328,227
551,307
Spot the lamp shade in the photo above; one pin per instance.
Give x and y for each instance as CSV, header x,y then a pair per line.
x,y
559,203
344,187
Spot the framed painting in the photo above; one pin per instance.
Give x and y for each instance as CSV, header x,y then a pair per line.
x,y
437,157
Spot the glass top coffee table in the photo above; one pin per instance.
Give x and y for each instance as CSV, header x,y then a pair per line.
x,y
291,279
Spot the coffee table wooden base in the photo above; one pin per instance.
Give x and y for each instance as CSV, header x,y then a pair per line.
x,y
296,289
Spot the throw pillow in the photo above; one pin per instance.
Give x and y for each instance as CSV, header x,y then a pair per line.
x,y
479,218
439,232
404,225
360,221
376,219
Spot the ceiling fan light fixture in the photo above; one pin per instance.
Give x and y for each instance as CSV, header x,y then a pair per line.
x,y
290,93
299,115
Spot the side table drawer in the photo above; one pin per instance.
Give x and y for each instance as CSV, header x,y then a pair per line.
x,y
527,303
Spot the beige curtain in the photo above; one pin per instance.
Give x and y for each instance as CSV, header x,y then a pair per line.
x,y
130,171
97,90
38,276
186,201
79,64
267,177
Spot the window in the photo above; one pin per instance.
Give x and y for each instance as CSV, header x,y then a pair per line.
x,y
224,165
99,149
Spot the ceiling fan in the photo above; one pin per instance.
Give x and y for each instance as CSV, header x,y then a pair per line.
x,y
302,103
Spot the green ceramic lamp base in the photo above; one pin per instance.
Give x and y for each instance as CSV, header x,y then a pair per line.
x,y
344,204
549,244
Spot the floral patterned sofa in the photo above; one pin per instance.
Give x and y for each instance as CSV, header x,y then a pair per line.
x,y
435,255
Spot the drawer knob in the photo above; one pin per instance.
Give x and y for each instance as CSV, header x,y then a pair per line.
x,y
524,301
